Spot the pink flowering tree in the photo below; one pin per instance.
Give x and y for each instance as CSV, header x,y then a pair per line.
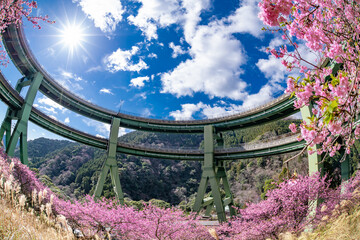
x,y
13,12
101,218
330,28
286,208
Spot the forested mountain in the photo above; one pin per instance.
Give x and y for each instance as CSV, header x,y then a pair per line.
x,y
74,168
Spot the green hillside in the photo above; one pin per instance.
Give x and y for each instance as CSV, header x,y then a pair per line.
x,y
74,168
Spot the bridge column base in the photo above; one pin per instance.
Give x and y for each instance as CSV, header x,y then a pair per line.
x,y
110,164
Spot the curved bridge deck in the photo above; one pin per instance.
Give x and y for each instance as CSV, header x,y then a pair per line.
x,y
15,101
20,53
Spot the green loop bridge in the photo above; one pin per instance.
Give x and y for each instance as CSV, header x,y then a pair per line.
x,y
21,110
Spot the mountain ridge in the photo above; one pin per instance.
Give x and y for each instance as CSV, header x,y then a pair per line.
x,y
74,168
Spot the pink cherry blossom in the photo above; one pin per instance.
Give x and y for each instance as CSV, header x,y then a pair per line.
x,y
13,12
329,28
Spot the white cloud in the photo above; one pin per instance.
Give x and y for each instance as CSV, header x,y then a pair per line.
x,y
49,105
122,131
193,10
147,113
245,19
121,61
139,82
69,81
94,69
142,95
223,109
67,120
216,55
187,111
103,129
72,76
214,69
152,55
53,117
177,50
155,13
106,14
50,51
46,109
106,91
272,68
264,95
276,42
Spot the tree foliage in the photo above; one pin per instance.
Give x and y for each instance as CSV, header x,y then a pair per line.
x,y
331,29
13,12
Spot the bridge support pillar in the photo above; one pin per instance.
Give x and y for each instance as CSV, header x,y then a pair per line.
x,y
110,164
22,116
6,127
11,114
345,169
213,173
314,160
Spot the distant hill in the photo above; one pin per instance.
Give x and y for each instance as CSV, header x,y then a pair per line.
x,y
74,168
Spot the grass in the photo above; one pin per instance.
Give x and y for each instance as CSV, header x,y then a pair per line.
x,y
344,224
344,227
17,224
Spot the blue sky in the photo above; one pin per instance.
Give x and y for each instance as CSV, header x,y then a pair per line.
x,y
169,59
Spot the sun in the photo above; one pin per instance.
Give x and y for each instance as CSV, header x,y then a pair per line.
x,y
72,36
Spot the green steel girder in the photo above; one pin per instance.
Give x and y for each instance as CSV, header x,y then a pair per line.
x,y
221,175
110,164
158,153
273,150
11,114
49,89
213,173
58,128
23,115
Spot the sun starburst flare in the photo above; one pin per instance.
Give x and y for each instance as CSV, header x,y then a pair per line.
x,y
72,36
